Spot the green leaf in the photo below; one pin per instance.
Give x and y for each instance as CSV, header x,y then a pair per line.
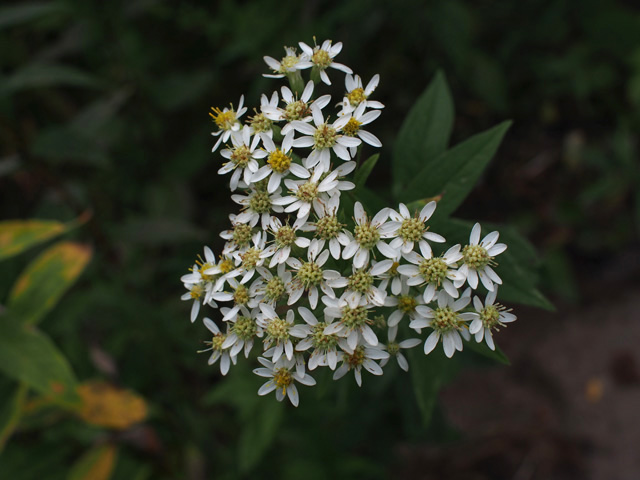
x,y
39,75
29,356
483,349
455,172
96,464
19,235
424,134
428,374
364,170
10,414
259,433
45,280
18,14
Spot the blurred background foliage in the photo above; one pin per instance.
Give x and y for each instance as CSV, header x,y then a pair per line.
x,y
104,118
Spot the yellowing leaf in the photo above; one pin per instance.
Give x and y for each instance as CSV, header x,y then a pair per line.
x,y
45,280
96,464
106,405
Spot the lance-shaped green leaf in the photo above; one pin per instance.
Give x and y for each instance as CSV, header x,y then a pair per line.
x,y
365,169
45,280
429,373
19,235
483,349
25,12
455,172
10,414
424,134
29,356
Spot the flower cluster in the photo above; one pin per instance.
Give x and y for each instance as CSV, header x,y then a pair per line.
x,y
312,282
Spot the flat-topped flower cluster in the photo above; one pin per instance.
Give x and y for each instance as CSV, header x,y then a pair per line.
x,y
315,285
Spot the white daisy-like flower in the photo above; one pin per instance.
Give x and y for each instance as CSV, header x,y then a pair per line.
x,y
227,121
360,286
310,275
260,124
282,375
446,321
360,357
353,322
242,296
435,272
279,163
323,138
242,331
488,317
295,109
280,331
477,258
353,128
410,230
325,347
284,238
394,348
242,158
405,304
271,288
367,235
217,350
238,237
253,257
312,193
357,95
321,57
387,270
289,64
258,205
327,228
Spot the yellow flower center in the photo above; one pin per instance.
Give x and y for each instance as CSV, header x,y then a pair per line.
x,y
224,120
352,127
279,161
356,96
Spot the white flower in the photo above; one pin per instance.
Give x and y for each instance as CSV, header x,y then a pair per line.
x,y
321,57
238,237
446,321
282,374
367,235
284,237
289,64
313,193
216,348
310,275
488,317
409,230
254,256
227,121
271,288
260,124
279,163
353,323
295,109
436,272
394,348
241,296
360,287
242,331
280,331
243,157
258,205
324,137
387,269
361,357
405,305
325,351
353,127
477,258
328,228
357,95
